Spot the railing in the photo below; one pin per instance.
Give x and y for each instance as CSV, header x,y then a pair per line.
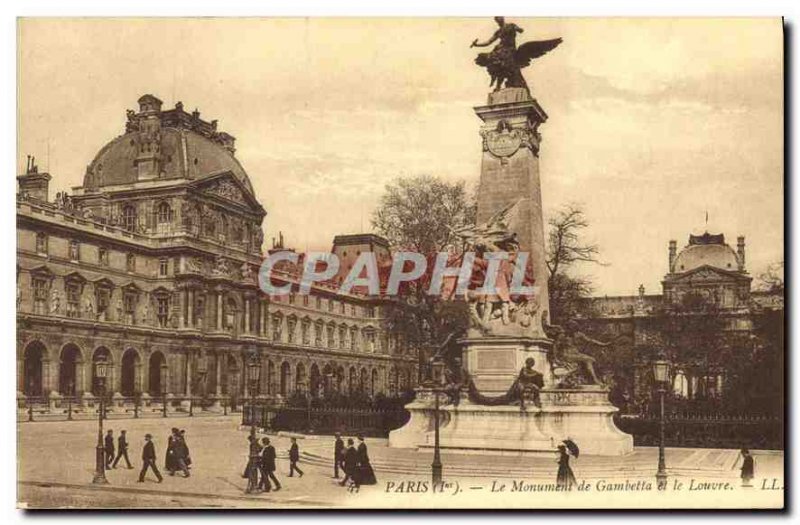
x,y
68,408
706,430
324,420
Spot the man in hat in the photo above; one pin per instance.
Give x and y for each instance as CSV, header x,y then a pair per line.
x,y
109,448
338,455
122,450
268,467
149,459
350,464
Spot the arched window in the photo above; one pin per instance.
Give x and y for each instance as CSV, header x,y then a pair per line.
x,y
129,217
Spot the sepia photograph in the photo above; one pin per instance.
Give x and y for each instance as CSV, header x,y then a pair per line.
x,y
400,263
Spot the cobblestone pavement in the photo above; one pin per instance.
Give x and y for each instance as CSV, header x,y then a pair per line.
x,y
56,464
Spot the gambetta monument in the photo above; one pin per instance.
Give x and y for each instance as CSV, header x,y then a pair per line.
x,y
518,385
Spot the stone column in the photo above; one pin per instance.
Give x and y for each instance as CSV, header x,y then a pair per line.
x,y
190,311
247,315
47,376
187,387
219,311
80,377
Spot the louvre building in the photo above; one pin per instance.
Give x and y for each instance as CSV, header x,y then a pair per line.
x,y
151,266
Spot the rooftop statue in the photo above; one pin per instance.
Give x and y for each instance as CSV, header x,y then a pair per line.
x,y
505,61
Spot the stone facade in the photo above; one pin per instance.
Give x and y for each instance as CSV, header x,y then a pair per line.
x,y
152,264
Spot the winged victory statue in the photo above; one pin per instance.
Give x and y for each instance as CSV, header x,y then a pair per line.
x,y
505,62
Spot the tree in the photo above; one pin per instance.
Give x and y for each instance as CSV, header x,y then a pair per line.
x,y
420,214
772,279
565,248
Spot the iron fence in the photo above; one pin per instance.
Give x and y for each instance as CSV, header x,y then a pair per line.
x,y
324,420
706,430
62,407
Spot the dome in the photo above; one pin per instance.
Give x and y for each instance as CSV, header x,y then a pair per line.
x,y
706,250
184,146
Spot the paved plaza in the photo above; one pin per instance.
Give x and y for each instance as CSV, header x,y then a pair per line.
x,y
56,462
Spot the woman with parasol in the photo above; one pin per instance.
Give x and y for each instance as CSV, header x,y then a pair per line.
x,y
565,478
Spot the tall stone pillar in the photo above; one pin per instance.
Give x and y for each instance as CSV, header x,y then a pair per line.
x,y
510,180
190,308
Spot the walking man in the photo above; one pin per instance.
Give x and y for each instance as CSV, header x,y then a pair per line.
x,y
109,446
149,459
294,457
350,465
338,455
268,467
122,450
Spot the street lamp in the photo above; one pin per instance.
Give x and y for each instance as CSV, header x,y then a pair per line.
x,y
437,367
100,371
253,374
661,373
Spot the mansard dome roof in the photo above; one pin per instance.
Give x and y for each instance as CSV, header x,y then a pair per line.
x,y
187,147
709,250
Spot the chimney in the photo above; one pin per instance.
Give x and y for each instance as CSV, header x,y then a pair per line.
x,y
148,159
32,184
740,251
673,251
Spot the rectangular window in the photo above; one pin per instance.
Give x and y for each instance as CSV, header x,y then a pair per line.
x,y
277,324
129,304
342,337
73,291
74,250
130,262
319,303
305,300
290,335
331,335
291,298
331,304
305,331
103,300
163,266
102,256
41,243
318,335
39,296
353,339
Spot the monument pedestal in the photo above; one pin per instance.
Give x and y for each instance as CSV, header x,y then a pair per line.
x,y
494,362
584,415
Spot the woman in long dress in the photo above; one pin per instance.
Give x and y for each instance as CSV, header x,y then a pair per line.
x,y
365,473
565,478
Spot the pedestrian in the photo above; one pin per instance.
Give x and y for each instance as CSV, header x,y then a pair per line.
x,y
365,473
122,450
181,455
171,456
350,465
268,467
246,471
338,455
294,457
109,448
188,456
149,459
565,479
748,468
253,460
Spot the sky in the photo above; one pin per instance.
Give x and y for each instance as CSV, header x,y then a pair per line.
x,y
652,122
